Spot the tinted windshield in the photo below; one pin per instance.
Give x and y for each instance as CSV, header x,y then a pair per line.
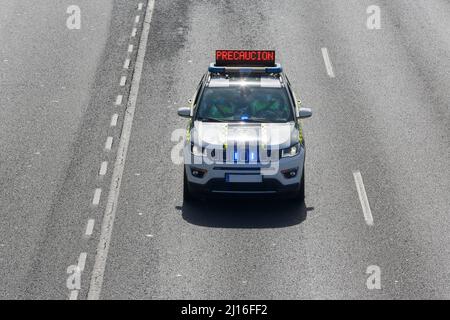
x,y
244,103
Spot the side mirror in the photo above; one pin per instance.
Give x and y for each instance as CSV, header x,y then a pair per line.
x,y
184,112
305,113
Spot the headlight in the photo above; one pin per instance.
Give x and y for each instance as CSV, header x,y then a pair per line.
x,y
291,151
197,150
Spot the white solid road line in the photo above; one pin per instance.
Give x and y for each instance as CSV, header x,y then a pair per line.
x,y
363,198
111,205
328,65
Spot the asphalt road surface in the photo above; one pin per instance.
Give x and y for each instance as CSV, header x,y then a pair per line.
x,y
380,129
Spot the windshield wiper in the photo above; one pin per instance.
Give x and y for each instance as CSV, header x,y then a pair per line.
x,y
211,120
261,120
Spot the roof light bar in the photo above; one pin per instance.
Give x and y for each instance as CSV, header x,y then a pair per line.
x,y
277,69
214,69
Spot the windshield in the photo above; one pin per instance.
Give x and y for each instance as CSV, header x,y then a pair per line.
x,y
244,103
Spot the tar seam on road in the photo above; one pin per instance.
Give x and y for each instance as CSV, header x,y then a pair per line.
x,y
328,65
363,198
111,206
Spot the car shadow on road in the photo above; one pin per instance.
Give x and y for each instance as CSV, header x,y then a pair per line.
x,y
245,213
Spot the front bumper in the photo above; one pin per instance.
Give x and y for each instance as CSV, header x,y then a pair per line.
x,y
220,186
273,182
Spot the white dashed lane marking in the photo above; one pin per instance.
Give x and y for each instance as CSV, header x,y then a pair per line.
x,y
328,65
103,168
114,118
108,143
90,227
82,261
114,190
97,277
97,194
363,198
119,100
73,295
126,64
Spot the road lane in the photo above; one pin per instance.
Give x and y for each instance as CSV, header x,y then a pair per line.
x,y
46,73
162,249
231,251
380,101
406,174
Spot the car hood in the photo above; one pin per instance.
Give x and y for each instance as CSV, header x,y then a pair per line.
x,y
274,135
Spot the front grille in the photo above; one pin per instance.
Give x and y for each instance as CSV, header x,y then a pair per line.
x,y
247,155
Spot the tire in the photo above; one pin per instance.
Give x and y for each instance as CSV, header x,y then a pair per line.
x,y
187,195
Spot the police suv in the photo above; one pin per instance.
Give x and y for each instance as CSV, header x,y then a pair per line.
x,y
244,135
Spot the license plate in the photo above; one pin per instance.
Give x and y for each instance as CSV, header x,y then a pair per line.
x,y
244,178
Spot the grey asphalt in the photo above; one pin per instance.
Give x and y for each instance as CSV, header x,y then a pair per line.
x,y
56,96
385,114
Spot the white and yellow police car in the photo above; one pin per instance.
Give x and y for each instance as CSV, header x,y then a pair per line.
x,y
244,135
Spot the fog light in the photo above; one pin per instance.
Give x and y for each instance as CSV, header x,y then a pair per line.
x,y
198,173
290,173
